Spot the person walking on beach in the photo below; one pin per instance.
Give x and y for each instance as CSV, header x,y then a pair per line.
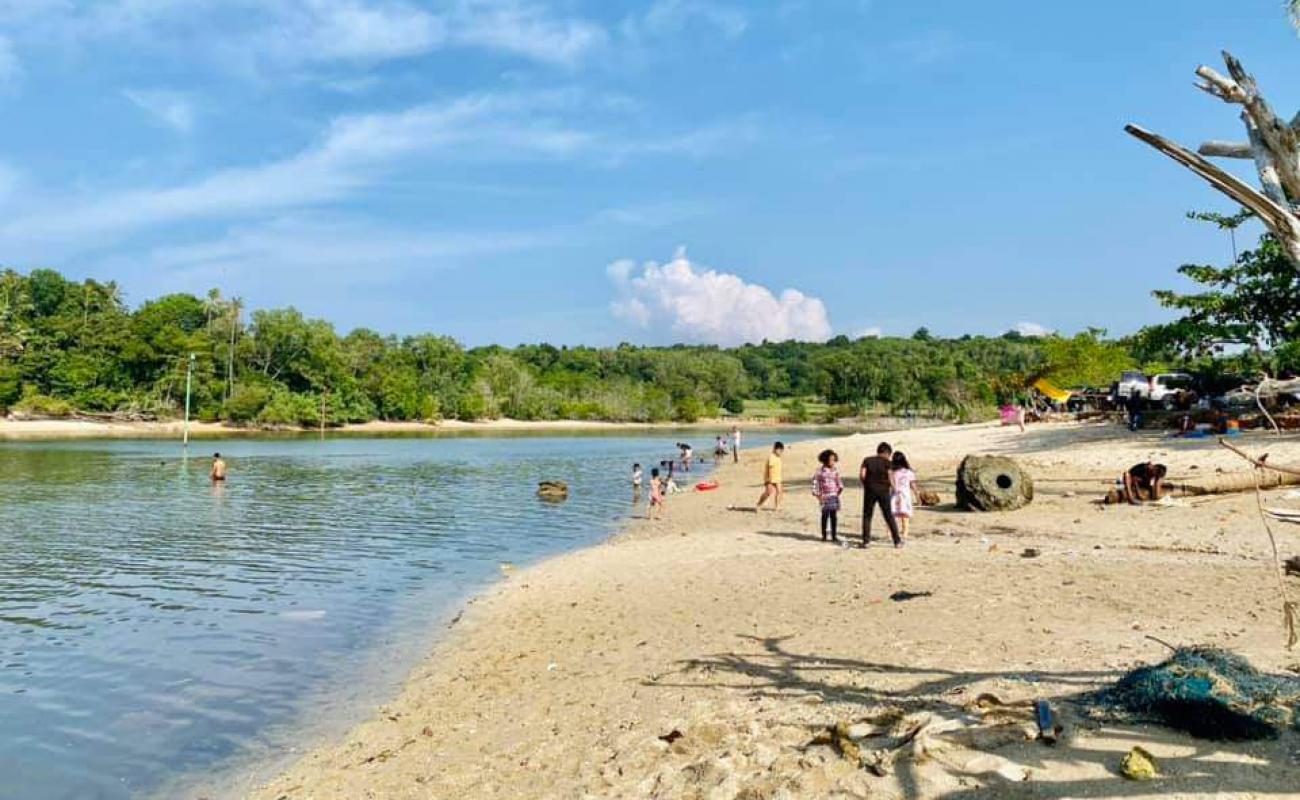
x,y
735,444
876,487
902,493
218,472
827,488
772,478
656,495
1134,407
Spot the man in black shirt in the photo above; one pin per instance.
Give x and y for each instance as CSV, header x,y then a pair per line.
x,y
1142,481
874,477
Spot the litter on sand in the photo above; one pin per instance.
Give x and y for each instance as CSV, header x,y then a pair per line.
x,y
1207,692
902,596
1139,765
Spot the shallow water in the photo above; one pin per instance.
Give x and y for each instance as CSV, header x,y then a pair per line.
x,y
153,625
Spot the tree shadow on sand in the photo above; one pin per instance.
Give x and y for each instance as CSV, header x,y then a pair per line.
x,y
770,669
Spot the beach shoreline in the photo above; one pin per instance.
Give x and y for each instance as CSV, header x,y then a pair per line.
x,y
695,656
57,429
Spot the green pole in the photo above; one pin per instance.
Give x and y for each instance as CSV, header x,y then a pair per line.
x,y
189,375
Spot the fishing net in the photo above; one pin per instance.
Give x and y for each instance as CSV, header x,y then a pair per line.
x,y
1209,693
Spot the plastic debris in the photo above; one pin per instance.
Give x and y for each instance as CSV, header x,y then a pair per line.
x,y
1139,765
1209,693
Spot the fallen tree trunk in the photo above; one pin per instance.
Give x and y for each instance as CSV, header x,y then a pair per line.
x,y
1231,484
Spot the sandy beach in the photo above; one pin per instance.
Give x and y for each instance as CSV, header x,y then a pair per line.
x,y
698,656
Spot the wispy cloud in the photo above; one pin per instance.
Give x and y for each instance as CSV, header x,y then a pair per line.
x,y
702,305
253,36
929,48
11,69
674,16
354,153
171,109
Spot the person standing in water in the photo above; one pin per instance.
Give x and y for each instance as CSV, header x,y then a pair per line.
x,y
656,495
874,475
772,478
735,444
218,468
636,483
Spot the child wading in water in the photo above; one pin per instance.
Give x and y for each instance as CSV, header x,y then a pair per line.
x,y
656,495
902,488
827,488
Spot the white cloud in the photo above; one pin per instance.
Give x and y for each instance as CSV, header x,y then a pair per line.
x,y
1032,329
701,305
172,109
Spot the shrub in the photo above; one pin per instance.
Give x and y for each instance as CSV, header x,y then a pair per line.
x,y
796,410
39,405
246,403
688,409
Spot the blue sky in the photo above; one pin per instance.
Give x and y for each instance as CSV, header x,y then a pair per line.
x,y
504,170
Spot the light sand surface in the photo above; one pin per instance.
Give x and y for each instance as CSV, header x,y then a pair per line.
x,y
746,634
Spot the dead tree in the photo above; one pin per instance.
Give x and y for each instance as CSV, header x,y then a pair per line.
x,y
1274,146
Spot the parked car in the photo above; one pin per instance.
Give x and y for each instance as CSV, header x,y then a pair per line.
x,y
1163,389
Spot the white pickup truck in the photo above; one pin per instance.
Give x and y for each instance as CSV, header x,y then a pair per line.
x,y
1162,389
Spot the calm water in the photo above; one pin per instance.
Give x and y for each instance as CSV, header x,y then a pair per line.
x,y
152,625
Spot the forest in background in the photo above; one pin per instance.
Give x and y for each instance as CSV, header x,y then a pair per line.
x,y
69,347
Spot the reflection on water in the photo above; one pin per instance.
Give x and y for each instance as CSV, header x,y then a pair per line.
x,y
153,623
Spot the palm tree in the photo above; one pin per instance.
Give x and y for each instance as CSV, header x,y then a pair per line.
x,y
212,306
234,311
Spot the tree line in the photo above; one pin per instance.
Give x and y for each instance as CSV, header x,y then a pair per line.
x,y
76,347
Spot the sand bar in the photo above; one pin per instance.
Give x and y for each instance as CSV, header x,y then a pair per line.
x,y
744,634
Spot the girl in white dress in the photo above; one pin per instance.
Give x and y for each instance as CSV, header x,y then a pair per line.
x,y
902,490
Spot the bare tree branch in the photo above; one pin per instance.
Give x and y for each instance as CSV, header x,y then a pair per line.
x,y
1220,149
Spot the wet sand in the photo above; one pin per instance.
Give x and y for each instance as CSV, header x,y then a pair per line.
x,y
698,655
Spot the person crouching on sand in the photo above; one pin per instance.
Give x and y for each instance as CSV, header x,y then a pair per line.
x,y
827,488
772,478
656,495
1143,482
902,492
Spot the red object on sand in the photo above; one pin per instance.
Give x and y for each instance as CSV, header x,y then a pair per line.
x,y
706,486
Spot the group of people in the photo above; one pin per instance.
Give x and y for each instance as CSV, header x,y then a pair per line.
x,y
662,482
887,479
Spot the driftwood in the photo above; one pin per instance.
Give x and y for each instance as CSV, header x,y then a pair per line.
x,y
1273,144
1290,611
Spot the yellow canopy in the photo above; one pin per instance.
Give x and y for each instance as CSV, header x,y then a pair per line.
x,y
1052,391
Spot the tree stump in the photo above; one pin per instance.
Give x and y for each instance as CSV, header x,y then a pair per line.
x,y
993,483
